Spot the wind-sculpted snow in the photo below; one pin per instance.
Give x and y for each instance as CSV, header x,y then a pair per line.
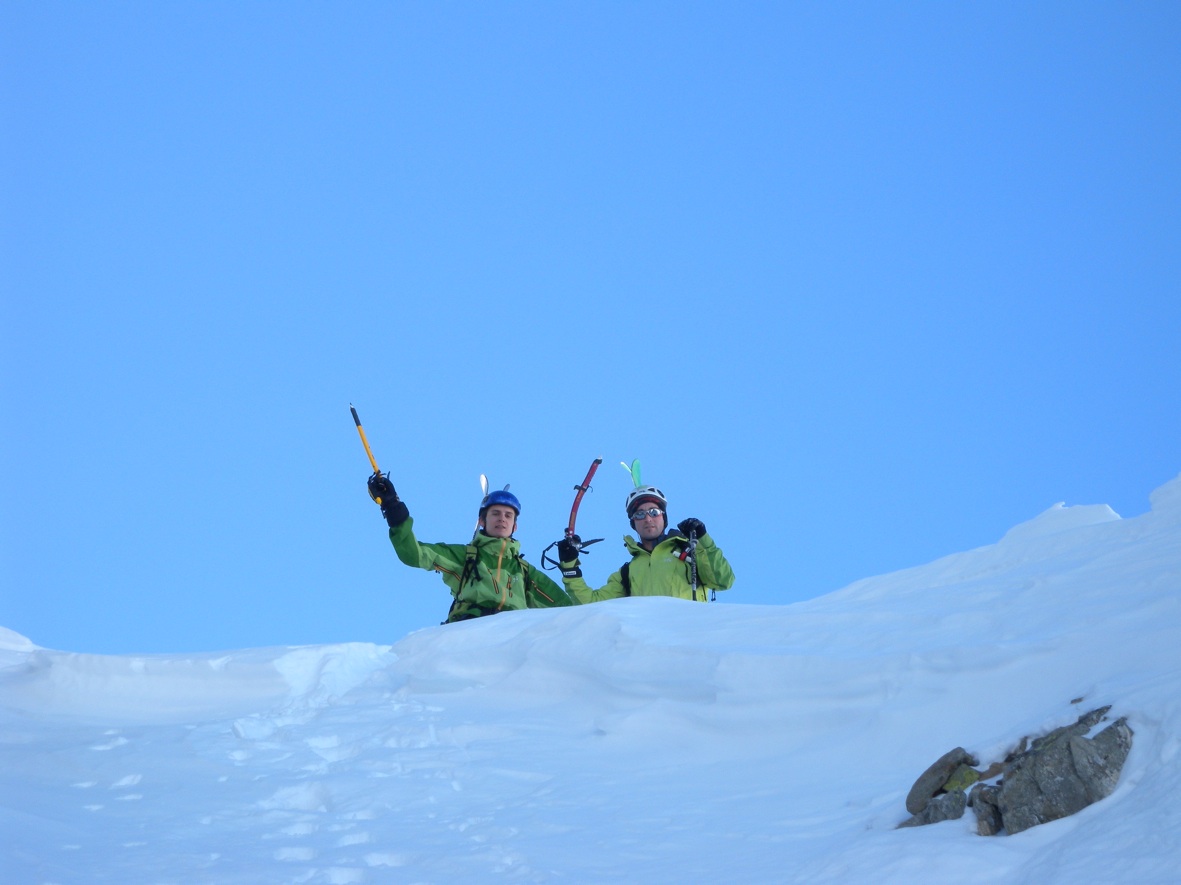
x,y
141,689
1056,519
640,740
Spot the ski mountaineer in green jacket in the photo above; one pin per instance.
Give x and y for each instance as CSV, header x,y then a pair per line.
x,y
487,576
684,562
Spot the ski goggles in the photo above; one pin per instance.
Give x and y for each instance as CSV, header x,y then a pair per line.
x,y
651,511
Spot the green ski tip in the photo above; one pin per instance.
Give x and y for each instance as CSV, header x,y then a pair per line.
x,y
634,470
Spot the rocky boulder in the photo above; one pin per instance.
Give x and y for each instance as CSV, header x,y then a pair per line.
x,y
1044,779
932,781
945,806
1063,773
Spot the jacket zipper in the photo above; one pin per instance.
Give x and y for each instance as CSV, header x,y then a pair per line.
x,y
496,582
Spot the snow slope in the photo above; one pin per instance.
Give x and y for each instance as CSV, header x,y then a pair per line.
x,y
644,740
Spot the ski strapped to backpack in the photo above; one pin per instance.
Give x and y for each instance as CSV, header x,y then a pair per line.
x,y
581,489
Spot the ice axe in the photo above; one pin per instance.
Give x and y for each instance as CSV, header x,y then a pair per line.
x,y
365,443
580,490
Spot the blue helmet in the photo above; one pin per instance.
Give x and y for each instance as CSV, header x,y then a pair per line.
x,y
503,496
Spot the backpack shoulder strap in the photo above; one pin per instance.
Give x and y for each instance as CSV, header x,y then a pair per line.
x,y
471,572
626,578
471,568
527,572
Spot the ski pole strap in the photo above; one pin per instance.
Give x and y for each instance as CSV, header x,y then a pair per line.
x,y
549,563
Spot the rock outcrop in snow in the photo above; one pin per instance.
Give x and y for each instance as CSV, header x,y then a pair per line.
x,y
1058,775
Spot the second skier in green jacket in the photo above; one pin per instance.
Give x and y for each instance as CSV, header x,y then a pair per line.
x,y
684,562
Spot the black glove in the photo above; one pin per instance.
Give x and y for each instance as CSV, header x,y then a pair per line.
x,y
381,489
395,512
691,525
392,508
568,549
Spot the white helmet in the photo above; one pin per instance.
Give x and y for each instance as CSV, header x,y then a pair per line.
x,y
640,494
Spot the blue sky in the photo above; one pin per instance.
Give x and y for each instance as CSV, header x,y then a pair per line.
x,y
861,285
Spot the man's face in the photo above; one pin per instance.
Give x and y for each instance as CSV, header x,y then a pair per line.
x,y
647,526
500,521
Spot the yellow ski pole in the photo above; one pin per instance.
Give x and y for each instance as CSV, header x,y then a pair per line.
x,y
365,443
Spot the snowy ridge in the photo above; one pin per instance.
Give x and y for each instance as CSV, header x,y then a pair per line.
x,y
643,740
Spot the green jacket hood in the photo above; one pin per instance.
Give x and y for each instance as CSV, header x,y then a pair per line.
x,y
512,547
